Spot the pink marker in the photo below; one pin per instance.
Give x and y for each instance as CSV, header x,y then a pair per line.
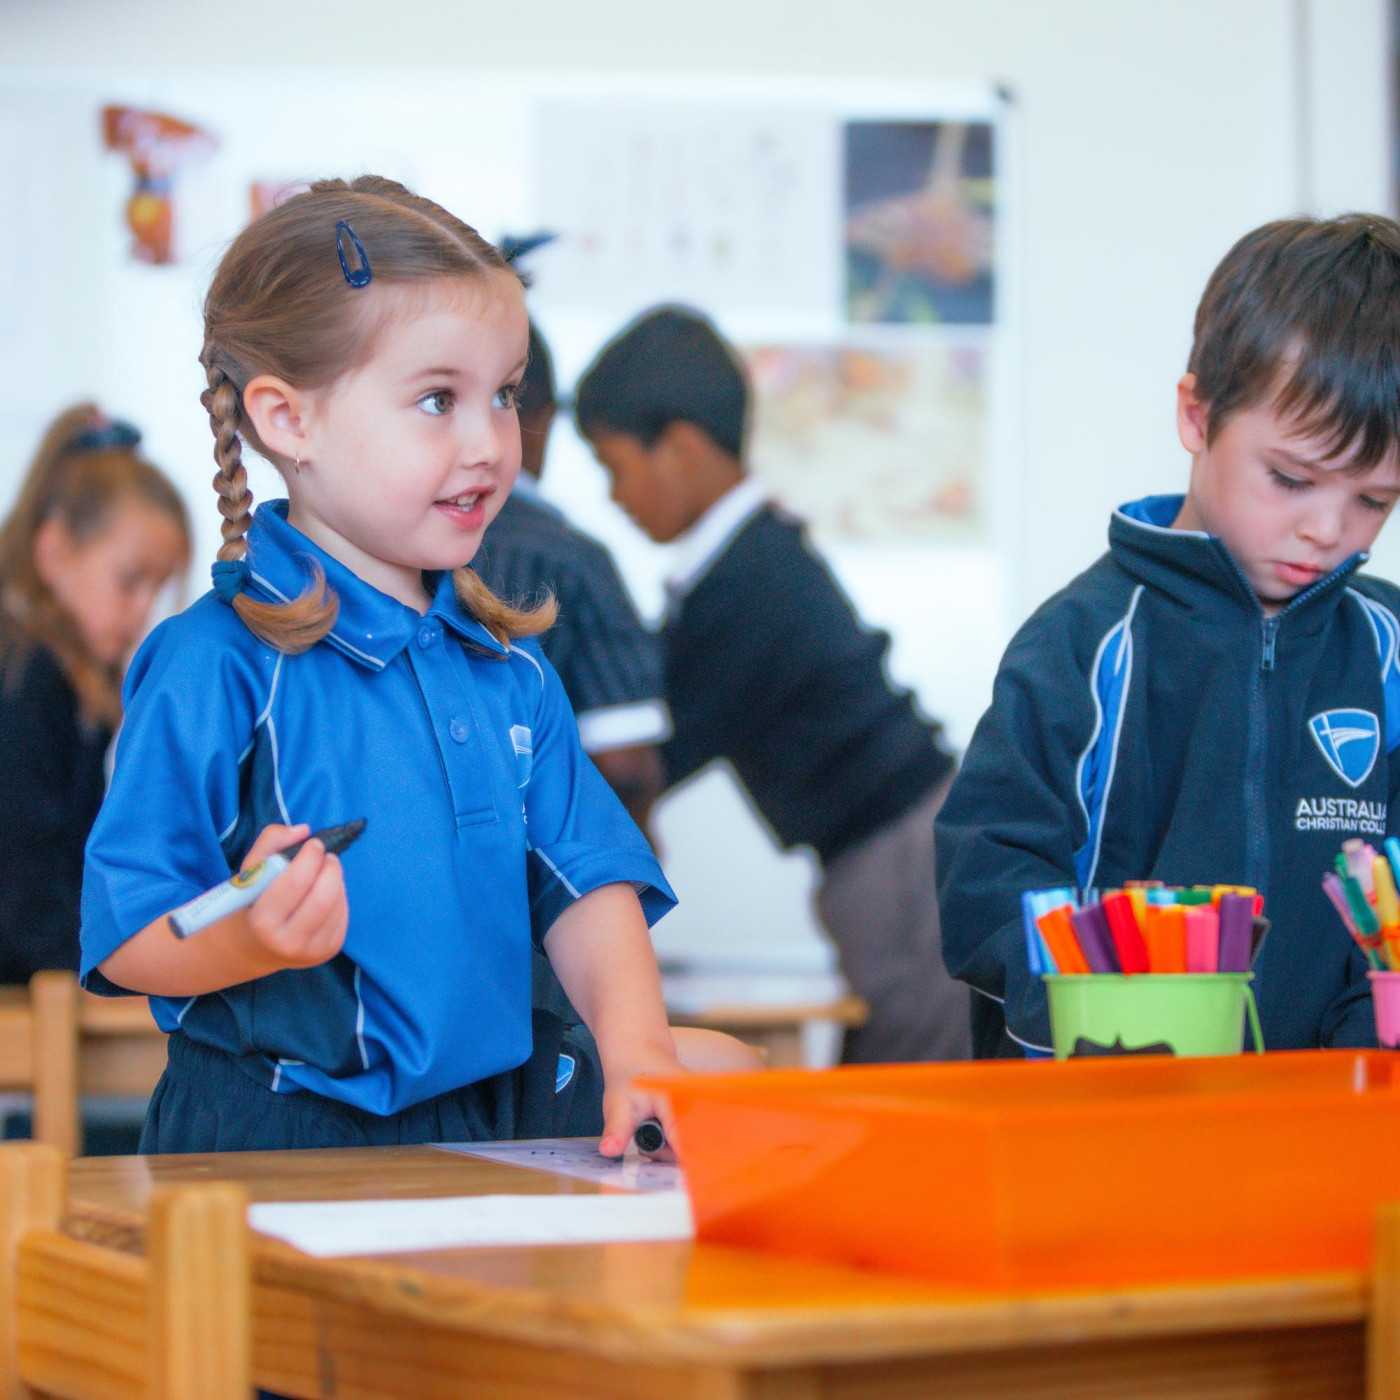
x,y
1202,939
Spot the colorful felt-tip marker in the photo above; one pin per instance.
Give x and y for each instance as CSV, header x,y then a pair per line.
x,y
240,890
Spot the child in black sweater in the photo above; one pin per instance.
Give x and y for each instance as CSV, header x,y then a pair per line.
x,y
94,534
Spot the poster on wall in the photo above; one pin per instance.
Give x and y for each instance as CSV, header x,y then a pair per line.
x,y
873,442
156,145
663,199
919,205
267,194
851,254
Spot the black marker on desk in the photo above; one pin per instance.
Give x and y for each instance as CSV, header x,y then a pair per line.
x,y
240,890
649,1136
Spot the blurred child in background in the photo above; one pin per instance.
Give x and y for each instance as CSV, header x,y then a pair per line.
x,y
95,533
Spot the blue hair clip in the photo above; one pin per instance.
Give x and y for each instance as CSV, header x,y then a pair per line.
x,y
112,433
515,246
356,276
230,576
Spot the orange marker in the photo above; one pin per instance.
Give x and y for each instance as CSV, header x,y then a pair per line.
x,y
1171,952
1058,933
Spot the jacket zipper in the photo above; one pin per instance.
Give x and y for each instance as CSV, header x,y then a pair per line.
x,y
1257,846
1266,660
1256,814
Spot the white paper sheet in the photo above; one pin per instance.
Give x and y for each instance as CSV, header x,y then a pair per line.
x,y
328,1228
577,1157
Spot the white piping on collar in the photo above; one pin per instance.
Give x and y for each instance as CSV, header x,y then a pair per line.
x,y
1161,529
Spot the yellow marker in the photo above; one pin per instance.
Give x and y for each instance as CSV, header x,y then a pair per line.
x,y
1217,890
1387,908
1138,896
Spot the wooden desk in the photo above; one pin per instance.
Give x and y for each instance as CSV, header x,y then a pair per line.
x,y
767,1010
703,1323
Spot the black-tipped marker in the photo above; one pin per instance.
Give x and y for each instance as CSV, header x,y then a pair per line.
x,y
650,1136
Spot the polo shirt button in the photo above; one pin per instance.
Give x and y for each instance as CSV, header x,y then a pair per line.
x,y
459,730
427,635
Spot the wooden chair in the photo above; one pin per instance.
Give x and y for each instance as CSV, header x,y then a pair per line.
x,y
58,1043
1383,1326
80,1319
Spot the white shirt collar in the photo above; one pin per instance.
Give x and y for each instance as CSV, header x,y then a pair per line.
x,y
695,551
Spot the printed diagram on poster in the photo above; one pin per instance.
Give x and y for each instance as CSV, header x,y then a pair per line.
x,y
668,200
850,255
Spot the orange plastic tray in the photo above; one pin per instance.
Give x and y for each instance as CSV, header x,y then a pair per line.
x,y
1026,1174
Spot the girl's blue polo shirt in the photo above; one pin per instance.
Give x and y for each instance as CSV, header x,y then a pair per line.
x,y
484,821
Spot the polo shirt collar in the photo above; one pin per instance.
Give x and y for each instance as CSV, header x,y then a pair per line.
x,y
371,628
700,547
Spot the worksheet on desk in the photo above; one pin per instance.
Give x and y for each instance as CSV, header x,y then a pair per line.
x,y
577,1157
330,1228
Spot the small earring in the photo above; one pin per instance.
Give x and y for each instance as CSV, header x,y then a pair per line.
x,y
296,464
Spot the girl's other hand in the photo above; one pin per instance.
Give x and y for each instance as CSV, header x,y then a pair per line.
x,y
625,1105
301,917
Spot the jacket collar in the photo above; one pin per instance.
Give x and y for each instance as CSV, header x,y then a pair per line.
x,y
371,628
1196,568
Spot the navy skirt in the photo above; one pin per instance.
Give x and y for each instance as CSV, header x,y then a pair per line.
x,y
205,1102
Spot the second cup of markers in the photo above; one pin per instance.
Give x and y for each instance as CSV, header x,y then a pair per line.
x,y
1148,968
1362,887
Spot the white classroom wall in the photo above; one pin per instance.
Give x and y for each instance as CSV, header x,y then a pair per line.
x,y
1147,137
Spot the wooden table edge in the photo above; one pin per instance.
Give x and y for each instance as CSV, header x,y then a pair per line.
x,y
812,1334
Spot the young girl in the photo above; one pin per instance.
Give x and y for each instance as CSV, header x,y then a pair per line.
x,y
348,664
94,535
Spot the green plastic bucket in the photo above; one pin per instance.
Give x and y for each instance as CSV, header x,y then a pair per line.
x,y
1192,1013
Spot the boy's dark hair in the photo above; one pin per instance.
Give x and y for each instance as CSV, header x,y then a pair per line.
x,y
1306,313
537,392
669,364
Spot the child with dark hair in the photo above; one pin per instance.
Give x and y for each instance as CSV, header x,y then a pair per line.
x,y
1217,699
93,536
608,661
768,666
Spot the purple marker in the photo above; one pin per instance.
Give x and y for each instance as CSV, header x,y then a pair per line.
x,y
1236,931
1095,940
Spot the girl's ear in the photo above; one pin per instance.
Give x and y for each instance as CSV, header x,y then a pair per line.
x,y
53,550
278,414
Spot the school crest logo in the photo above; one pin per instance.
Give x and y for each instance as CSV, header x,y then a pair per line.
x,y
1350,740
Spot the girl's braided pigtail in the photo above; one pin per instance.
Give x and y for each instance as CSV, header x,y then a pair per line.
x,y
289,627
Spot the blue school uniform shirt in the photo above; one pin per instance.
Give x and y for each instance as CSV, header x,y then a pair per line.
x,y
485,820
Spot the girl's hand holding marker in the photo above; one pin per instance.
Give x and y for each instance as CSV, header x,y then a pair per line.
x,y
293,882
634,1117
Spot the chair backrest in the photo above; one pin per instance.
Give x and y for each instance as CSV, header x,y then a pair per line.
x,y
39,1050
81,1319
58,1042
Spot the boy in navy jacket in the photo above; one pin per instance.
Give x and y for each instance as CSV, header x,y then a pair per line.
x,y
1217,699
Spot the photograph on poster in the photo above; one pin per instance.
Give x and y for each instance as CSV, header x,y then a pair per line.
x,y
874,443
919,210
